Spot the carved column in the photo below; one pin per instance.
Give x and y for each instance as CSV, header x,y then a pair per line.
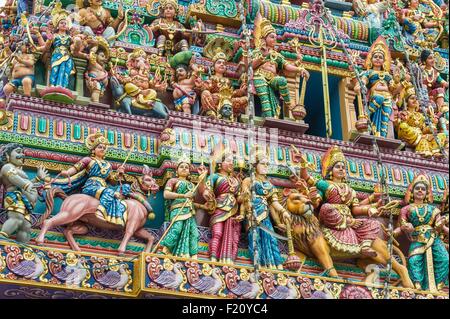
x,y
347,107
80,66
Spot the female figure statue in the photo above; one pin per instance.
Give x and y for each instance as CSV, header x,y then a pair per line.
x,y
223,189
92,174
182,237
381,86
342,231
60,44
435,84
428,258
264,204
412,128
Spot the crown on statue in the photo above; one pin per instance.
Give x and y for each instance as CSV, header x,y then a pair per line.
x,y
266,28
93,140
379,46
59,14
421,178
184,158
164,3
331,157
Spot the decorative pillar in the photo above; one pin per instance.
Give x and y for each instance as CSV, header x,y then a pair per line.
x,y
80,66
347,107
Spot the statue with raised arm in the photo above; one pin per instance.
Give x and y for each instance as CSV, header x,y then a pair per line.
x,y
21,192
22,71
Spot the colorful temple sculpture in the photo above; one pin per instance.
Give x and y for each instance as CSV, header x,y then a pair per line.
x,y
255,149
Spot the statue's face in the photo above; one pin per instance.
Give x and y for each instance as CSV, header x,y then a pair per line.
x,y
262,167
100,150
414,3
339,170
412,102
183,170
17,157
420,191
378,60
430,61
169,11
271,39
226,111
63,25
96,2
227,164
181,73
220,67
148,183
101,57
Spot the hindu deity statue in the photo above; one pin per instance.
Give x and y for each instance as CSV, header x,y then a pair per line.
x,y
96,76
187,79
260,208
59,43
413,129
381,87
267,63
372,10
97,21
170,35
435,84
22,71
223,188
182,236
343,232
422,222
218,93
96,178
423,28
21,192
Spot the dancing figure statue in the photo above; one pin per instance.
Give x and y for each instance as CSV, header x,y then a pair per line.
x,y
422,222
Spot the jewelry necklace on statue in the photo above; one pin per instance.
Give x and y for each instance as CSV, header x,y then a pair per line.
x,y
430,76
421,217
342,191
103,165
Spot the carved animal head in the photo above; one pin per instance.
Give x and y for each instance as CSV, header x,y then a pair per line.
x,y
116,87
296,203
147,183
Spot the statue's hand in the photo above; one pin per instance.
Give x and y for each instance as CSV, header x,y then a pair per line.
x,y
188,195
287,217
42,173
408,228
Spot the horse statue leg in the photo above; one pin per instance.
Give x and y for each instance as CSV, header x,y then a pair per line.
x,y
76,228
144,234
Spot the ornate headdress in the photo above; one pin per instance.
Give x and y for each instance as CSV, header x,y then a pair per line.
x,y
164,3
184,158
409,91
330,158
93,140
263,28
421,178
379,46
218,49
58,14
104,46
